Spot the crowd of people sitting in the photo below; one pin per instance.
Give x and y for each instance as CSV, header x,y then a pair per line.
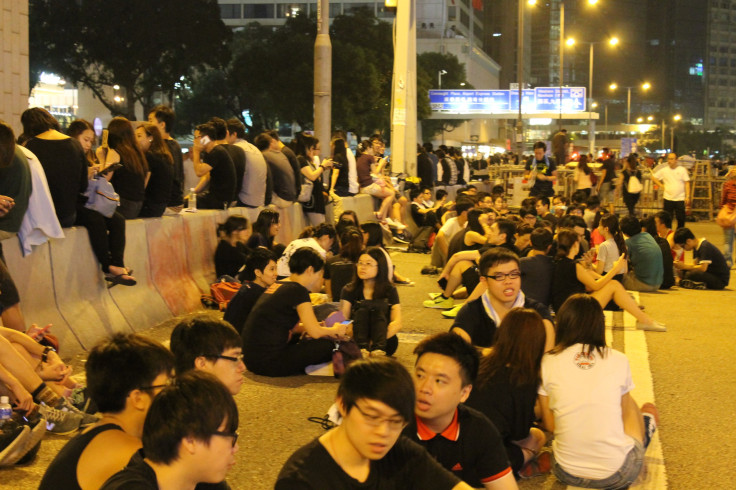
x,y
527,342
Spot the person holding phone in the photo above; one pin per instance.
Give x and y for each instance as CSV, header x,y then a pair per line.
x,y
372,301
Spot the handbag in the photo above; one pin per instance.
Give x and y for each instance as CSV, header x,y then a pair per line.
x,y
101,197
634,186
222,292
726,217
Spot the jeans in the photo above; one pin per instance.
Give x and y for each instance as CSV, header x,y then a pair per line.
x,y
676,210
620,479
728,236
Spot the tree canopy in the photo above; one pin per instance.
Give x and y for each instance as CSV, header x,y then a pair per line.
x,y
141,45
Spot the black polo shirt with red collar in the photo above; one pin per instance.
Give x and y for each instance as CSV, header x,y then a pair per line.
x,y
470,446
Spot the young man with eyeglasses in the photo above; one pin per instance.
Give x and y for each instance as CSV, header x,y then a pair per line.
x,y
205,343
124,375
460,438
366,451
477,320
189,438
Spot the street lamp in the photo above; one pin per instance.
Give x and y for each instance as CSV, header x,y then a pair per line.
x,y
676,118
439,77
644,86
520,73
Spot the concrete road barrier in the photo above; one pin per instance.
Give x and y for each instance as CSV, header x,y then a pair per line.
x,y
200,238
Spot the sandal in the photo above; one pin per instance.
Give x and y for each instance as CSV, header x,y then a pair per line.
x,y
123,279
541,465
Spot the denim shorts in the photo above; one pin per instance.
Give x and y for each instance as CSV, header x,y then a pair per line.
x,y
621,478
605,193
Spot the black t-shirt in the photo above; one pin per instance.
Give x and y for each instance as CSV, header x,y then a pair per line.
x,y
424,170
718,266
222,175
471,447
129,184
543,167
229,259
481,328
159,185
177,188
237,155
357,295
564,282
610,167
405,466
509,407
418,217
536,277
342,184
65,167
266,331
242,304
668,279
317,204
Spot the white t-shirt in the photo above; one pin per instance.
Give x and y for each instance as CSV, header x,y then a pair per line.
x,y
353,186
585,397
582,180
608,254
282,266
674,182
451,227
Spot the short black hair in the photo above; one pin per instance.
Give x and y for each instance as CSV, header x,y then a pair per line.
x,y
303,258
207,129
541,239
235,126
571,221
262,141
414,193
682,235
382,379
593,202
495,256
257,260
220,127
324,229
201,335
36,121
439,194
463,204
123,363
540,144
273,134
526,210
630,226
544,200
665,218
508,227
164,114
455,347
195,405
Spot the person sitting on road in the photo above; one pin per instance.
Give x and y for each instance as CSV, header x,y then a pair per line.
x,y
205,343
460,438
612,247
644,256
190,436
500,273
265,230
319,238
599,441
258,274
506,389
124,375
710,270
375,400
351,246
449,229
668,278
537,268
231,251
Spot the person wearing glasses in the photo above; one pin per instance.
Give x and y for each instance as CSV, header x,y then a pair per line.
x,y
124,374
477,320
376,401
207,344
460,438
197,445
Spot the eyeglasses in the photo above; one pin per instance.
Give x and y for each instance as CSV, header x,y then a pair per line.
x,y
366,264
237,358
502,277
234,435
395,423
157,387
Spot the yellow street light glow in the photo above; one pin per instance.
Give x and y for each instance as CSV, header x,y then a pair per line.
x,y
650,118
640,119
646,86
570,41
116,86
532,2
594,105
613,41
677,117
592,2
613,86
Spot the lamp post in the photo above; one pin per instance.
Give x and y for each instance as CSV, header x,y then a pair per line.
x,y
439,77
676,118
520,74
644,86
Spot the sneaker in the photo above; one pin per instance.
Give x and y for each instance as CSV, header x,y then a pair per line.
x,y
365,353
689,284
439,302
434,295
651,421
652,327
81,400
395,224
430,270
452,312
87,418
540,465
404,283
378,353
400,238
62,420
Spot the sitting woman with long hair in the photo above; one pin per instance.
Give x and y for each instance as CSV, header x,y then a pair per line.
x,y
506,387
373,304
600,432
265,229
341,267
232,251
82,131
571,277
612,247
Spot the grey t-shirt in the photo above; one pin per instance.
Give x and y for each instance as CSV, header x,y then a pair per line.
x,y
284,182
253,189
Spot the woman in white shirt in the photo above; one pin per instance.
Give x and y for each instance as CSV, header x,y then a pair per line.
x,y
582,176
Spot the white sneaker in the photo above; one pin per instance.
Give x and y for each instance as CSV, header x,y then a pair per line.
x,y
395,224
653,327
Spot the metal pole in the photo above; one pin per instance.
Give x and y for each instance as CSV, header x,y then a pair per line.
x,y
663,133
628,106
404,91
323,78
562,57
520,76
672,138
607,118
439,79
591,132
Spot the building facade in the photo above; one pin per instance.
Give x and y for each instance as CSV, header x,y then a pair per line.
x,y
14,81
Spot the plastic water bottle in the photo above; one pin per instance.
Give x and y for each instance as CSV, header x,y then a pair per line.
x,y
6,410
192,207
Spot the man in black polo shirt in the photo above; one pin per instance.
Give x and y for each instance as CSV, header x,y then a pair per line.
x,y
477,320
711,270
212,162
460,438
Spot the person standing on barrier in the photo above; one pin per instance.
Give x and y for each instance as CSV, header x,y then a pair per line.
x,y
543,170
675,181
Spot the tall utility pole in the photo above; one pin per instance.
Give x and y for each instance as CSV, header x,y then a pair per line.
x,y
520,76
404,90
562,58
323,78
